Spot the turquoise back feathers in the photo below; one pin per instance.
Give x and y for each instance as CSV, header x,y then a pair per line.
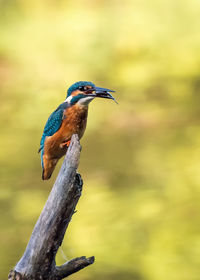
x,y
53,124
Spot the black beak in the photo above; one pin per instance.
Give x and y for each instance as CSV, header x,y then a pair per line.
x,y
104,93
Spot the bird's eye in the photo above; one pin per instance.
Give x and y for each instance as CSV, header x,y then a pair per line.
x,y
82,88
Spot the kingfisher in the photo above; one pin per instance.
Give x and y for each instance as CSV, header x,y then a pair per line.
x,y
69,118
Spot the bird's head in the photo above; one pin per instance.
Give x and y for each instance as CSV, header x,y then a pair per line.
x,y
84,92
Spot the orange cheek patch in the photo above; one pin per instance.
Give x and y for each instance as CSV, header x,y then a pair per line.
x,y
76,92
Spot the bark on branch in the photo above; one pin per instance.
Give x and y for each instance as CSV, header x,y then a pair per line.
x,y
38,261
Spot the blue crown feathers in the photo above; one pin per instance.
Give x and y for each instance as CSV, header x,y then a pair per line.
x,y
77,85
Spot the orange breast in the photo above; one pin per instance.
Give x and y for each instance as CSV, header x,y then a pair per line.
x,y
74,122
75,119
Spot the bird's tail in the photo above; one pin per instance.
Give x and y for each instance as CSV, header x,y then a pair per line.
x,y
48,168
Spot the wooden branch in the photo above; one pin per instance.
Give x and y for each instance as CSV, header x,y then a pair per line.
x,y
73,266
38,261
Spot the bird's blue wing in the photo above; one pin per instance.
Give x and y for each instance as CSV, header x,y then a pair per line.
x,y
52,125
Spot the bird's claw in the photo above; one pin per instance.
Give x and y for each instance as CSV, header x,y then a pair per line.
x,y
64,144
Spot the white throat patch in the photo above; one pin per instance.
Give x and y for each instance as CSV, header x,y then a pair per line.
x,y
85,101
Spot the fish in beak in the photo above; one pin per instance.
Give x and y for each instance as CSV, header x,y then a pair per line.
x,y
104,93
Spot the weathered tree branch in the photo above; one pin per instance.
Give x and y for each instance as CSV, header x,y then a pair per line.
x,y
38,261
73,266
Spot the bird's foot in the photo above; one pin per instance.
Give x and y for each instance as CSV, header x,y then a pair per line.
x,y
64,144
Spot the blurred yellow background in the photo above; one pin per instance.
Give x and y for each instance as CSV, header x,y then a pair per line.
x,y
140,209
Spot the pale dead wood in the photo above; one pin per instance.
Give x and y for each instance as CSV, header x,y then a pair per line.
x,y
38,261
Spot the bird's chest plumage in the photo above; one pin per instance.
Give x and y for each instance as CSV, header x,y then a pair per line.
x,y
74,121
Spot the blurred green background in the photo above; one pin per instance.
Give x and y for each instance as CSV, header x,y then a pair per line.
x,y
139,212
